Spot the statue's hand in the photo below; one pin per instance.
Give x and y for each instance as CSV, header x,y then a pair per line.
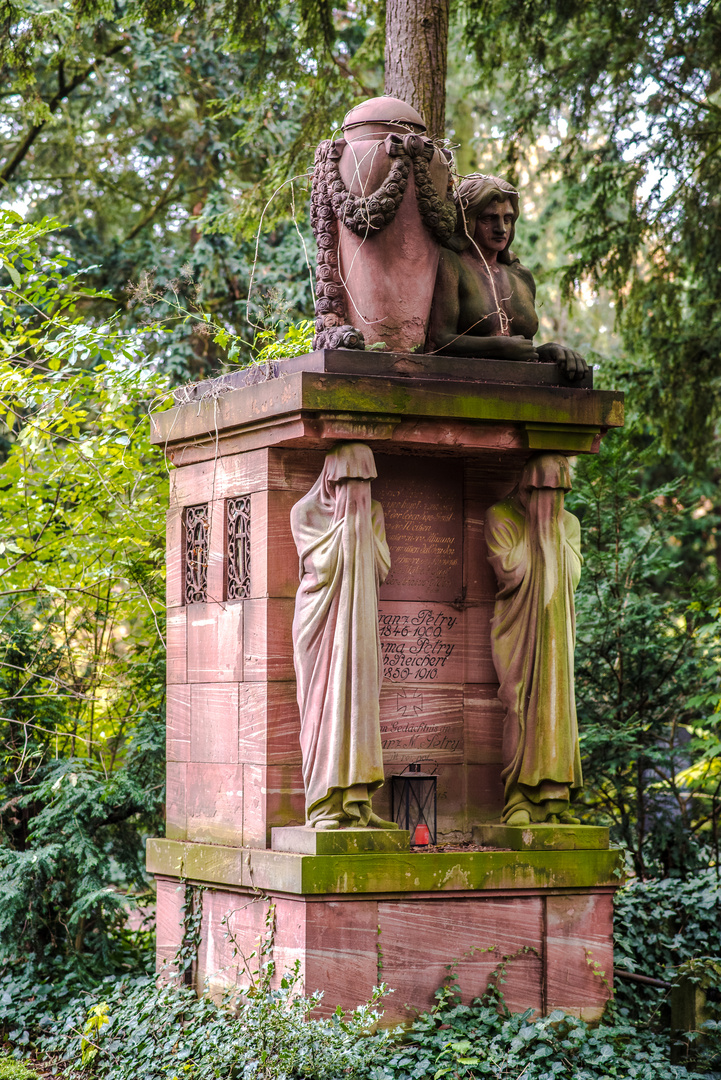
x,y
570,362
520,348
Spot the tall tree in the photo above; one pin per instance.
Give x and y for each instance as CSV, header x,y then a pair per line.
x,y
416,57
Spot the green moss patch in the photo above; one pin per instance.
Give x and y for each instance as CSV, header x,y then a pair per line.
x,y
15,1070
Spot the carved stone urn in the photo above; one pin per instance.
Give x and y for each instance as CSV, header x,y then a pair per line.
x,y
381,204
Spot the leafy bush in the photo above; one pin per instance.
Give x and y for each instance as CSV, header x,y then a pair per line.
x,y
133,1030
127,1027
467,1041
660,925
81,595
648,663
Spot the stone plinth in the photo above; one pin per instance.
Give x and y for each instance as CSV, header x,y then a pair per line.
x,y
449,438
354,921
304,840
542,837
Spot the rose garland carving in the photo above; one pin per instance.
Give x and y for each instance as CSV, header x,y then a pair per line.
x,y
332,202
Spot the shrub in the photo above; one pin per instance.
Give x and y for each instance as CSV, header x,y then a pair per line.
x,y
660,925
483,1040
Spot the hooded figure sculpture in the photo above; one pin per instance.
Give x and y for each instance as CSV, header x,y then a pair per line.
x,y
340,535
534,549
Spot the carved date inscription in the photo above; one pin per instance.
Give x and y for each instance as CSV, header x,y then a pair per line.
x,y
420,644
422,500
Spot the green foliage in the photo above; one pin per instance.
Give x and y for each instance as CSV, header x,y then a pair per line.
x,y
132,1028
15,1070
147,1032
81,653
671,930
191,914
177,306
297,341
92,1031
704,971
163,135
659,926
630,95
468,1041
647,663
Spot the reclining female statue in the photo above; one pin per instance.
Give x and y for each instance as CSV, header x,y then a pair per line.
x,y
484,299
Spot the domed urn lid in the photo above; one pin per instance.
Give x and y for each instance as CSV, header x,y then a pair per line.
x,y
384,110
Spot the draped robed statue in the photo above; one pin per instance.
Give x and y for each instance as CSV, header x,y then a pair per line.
x,y
534,548
340,536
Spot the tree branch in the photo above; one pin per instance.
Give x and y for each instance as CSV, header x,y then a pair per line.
x,y
64,91
164,196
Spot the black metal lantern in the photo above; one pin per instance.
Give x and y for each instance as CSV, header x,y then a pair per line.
x,y
413,803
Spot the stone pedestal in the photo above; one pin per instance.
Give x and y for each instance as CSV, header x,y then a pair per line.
x,y
449,437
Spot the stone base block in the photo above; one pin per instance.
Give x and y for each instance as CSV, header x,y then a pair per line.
x,y
543,837
307,841
354,921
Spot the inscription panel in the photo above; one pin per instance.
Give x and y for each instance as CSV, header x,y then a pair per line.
x,y
422,500
421,724
421,643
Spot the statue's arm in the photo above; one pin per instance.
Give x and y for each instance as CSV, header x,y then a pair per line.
x,y
382,553
445,335
446,304
572,527
507,554
568,360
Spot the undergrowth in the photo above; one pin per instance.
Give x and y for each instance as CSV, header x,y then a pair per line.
x,y
15,1070
133,1030
124,1026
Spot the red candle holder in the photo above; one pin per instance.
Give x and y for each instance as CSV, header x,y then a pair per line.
x,y
413,803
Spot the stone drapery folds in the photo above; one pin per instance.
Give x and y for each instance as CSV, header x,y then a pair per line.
x,y
340,536
534,548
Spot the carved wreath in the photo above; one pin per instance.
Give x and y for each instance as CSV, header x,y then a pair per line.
x,y
331,201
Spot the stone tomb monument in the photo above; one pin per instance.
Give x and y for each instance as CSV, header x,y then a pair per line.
x,y
370,565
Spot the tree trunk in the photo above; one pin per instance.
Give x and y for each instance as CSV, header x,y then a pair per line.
x,y
417,57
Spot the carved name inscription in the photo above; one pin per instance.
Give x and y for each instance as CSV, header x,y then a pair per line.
x,y
422,500
420,643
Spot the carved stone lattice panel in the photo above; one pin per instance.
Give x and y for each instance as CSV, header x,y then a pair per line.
x,y
197,534
238,526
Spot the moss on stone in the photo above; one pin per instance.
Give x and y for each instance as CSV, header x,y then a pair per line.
x,y
395,872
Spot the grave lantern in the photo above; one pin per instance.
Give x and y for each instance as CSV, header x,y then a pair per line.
x,y
413,803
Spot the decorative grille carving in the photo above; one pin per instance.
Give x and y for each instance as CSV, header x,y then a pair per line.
x,y
239,548
197,529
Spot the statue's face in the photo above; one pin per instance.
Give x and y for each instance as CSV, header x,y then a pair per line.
x,y
493,227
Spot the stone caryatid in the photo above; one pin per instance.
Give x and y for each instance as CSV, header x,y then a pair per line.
x,y
340,535
484,298
381,205
534,549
